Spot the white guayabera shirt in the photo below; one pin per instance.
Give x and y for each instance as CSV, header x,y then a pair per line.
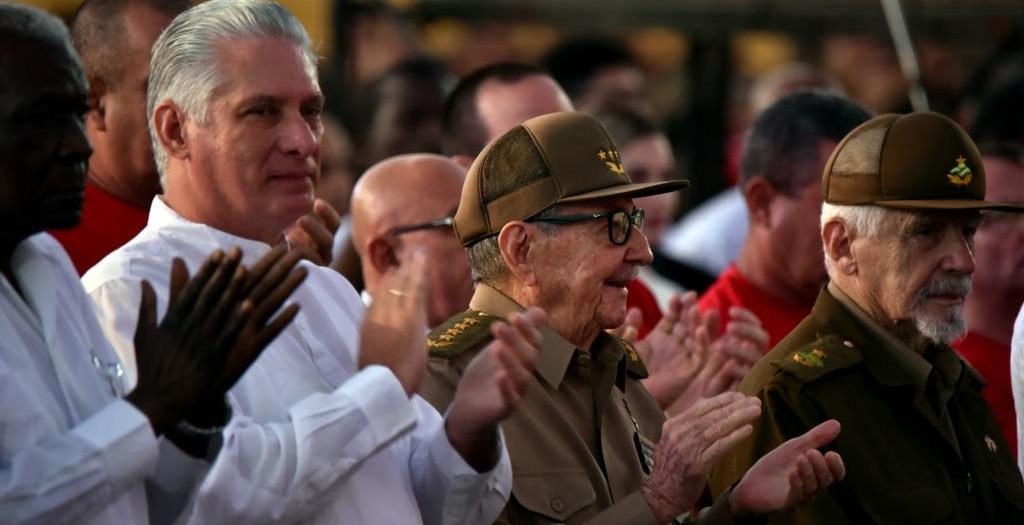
x,y
70,450
313,439
1017,382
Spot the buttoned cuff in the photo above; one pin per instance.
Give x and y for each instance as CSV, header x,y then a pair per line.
x,y
125,440
381,397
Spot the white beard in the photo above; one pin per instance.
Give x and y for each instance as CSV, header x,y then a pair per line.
x,y
949,327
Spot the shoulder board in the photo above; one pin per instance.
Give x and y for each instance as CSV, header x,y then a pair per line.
x,y
634,364
826,354
459,333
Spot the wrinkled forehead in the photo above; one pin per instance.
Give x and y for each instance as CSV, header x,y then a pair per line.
x,y
599,205
907,220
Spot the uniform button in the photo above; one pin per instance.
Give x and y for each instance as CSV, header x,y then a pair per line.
x,y
557,505
583,359
848,344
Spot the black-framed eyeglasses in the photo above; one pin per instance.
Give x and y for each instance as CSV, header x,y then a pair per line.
x,y
436,223
619,222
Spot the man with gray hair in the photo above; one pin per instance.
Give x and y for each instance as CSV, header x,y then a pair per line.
x,y
326,426
903,195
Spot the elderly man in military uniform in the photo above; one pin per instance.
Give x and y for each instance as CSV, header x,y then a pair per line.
x,y
548,220
903,198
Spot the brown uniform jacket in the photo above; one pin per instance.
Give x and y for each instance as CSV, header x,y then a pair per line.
x,y
574,441
919,443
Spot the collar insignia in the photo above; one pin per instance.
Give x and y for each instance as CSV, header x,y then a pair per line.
x,y
611,158
960,175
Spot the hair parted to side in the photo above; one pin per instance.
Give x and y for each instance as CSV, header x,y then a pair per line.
x,y
184,64
863,220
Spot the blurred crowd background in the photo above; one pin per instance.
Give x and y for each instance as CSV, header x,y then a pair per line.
x,y
700,68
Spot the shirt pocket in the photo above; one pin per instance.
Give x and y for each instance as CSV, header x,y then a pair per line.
x,y
907,506
555,494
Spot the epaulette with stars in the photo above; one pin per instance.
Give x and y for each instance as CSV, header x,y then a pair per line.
x,y
826,354
461,332
634,364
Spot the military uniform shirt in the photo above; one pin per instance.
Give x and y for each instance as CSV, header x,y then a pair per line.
x,y
918,440
574,441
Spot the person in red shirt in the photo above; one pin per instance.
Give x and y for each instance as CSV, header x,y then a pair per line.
x,y
114,39
780,269
998,288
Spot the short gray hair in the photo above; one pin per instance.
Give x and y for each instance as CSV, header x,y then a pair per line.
x,y
184,66
864,220
485,260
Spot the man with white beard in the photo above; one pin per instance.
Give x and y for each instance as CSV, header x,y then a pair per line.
x,y
903,198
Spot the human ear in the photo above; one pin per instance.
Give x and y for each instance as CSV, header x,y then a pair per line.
x,y
759,194
97,102
170,121
837,239
382,255
514,243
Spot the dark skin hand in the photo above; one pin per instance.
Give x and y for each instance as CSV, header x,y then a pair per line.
x,y
216,325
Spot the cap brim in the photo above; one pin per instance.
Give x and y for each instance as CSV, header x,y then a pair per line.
x,y
629,191
950,204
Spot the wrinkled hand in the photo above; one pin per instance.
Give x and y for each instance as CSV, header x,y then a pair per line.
x,y
691,444
791,475
394,329
676,351
198,350
493,385
313,234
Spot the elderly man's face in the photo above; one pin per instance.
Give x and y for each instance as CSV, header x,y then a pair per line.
x,y
43,147
256,158
582,275
918,269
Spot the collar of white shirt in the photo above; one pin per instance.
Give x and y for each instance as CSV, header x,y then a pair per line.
x,y
169,223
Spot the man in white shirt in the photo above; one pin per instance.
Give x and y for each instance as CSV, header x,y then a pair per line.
x,y
71,451
1017,381
320,435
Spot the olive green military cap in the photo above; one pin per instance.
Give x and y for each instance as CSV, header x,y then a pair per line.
x,y
558,158
915,161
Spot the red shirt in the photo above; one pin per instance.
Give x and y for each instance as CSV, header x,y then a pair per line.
x,y
992,360
107,223
778,318
640,296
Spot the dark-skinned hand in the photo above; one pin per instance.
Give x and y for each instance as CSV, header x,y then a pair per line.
x,y
216,325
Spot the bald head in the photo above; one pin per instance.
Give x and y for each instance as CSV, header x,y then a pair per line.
x,y
410,191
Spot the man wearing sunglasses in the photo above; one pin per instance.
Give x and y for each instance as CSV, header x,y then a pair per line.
x,y
406,203
548,220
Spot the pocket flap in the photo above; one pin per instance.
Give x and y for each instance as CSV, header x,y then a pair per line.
x,y
556,494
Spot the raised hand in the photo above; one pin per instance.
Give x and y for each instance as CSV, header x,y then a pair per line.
x,y
395,326
313,234
197,352
691,444
492,387
676,351
791,475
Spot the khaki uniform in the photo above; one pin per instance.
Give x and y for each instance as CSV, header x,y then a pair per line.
x,y
577,441
918,440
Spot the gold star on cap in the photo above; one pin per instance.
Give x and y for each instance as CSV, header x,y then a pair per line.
x,y
961,174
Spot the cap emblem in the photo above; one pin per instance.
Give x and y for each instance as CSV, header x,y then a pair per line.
x,y
611,158
960,175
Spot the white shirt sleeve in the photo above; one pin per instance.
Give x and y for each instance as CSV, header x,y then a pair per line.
x,y
448,490
66,478
265,472
1017,382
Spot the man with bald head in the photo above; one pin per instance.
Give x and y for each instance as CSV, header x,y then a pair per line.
x,y
406,203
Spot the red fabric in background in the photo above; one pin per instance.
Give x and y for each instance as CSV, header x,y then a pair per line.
x,y
640,296
732,288
107,223
992,360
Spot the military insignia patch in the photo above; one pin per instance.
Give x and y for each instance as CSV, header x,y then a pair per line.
x,y
812,358
961,174
611,158
451,333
